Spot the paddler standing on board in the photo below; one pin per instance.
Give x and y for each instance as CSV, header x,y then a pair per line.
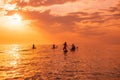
x,y
65,47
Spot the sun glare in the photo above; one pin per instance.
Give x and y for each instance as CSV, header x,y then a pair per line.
x,y
15,19
14,22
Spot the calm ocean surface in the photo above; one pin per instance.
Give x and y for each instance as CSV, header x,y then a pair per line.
x,y
20,62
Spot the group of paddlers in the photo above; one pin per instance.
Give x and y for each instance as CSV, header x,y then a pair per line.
x,y
65,47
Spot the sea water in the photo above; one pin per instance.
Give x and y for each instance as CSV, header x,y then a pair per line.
x,y
88,62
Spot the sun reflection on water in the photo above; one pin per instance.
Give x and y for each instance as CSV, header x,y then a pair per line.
x,y
14,56
9,61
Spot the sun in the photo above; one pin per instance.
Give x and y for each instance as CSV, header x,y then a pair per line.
x,y
14,22
11,11
15,19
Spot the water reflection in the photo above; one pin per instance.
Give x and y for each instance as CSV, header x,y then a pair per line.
x,y
19,63
14,56
9,61
65,56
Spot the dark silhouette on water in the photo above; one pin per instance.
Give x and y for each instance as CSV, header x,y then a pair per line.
x,y
33,46
65,47
54,46
73,48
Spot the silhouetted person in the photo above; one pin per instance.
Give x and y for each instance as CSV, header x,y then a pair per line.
x,y
65,47
73,48
54,46
33,46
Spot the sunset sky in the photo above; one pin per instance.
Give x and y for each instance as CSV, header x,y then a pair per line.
x,y
56,21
